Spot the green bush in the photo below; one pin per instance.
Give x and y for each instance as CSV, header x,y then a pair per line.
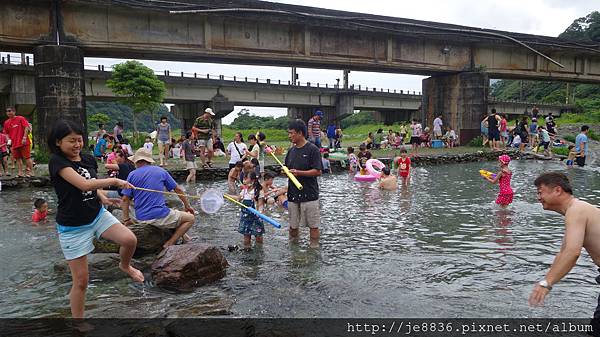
x,y
563,150
272,134
476,142
593,135
569,138
41,157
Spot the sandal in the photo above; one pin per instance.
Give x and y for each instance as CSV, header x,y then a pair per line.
x,y
204,166
209,164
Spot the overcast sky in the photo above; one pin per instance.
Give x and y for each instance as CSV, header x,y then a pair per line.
x,y
541,17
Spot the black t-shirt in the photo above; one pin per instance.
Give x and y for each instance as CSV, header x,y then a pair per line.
x,y
75,207
492,123
305,158
124,170
363,157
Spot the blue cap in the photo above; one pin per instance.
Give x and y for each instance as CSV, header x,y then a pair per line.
x,y
319,113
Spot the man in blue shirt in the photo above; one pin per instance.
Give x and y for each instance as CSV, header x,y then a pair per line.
x,y
100,149
581,144
150,207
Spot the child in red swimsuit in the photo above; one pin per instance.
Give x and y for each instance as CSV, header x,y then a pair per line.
x,y
403,163
505,197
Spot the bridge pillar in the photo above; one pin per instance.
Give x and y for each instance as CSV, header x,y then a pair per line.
x,y
460,98
59,88
188,112
305,113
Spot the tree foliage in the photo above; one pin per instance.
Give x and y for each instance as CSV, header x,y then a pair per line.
x,y
97,118
584,29
247,120
117,112
138,87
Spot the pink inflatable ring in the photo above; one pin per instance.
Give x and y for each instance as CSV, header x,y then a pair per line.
x,y
371,166
364,177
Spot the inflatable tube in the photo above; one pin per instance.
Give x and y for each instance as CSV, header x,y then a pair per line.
x,y
372,164
364,177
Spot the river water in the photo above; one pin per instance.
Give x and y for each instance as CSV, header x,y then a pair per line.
x,y
439,248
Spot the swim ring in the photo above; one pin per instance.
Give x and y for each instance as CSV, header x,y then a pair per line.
x,y
371,166
364,177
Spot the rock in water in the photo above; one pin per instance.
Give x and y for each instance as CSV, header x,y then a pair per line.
x,y
183,267
150,240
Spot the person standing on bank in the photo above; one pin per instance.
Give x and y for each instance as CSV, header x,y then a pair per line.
x,y
581,145
582,230
304,161
163,130
17,128
314,128
236,150
204,131
80,216
437,127
493,122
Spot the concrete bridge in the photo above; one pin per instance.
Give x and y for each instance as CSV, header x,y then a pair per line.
x,y
459,59
190,93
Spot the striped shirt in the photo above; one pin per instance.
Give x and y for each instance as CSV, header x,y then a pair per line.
x,y
314,127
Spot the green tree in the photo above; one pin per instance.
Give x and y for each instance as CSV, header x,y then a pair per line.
x,y
138,87
98,118
585,29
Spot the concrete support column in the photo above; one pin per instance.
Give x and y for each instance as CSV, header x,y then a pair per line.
x,y
59,88
461,99
344,107
188,112
305,113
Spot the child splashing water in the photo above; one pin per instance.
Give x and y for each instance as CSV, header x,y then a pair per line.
x,y
250,224
505,197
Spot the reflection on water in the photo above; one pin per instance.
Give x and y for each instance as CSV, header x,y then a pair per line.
x,y
438,247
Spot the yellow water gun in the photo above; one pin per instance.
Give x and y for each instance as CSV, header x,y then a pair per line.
x,y
285,169
487,174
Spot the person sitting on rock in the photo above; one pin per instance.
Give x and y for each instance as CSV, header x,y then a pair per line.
x,y
150,207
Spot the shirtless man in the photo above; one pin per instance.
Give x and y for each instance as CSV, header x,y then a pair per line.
x,y
388,181
582,229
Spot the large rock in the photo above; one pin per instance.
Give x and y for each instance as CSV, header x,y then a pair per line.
x,y
102,266
183,267
150,240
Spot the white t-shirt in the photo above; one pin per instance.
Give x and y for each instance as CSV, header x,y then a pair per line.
x,y
235,156
437,124
148,146
417,129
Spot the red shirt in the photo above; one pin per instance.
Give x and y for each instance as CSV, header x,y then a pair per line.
x,y
403,166
38,216
15,129
3,142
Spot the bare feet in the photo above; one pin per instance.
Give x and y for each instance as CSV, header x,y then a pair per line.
x,y
135,274
82,326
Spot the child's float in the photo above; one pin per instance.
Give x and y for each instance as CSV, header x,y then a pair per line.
x,y
338,156
374,167
371,165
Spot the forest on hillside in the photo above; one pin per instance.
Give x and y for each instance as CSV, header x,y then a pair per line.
x,y
586,97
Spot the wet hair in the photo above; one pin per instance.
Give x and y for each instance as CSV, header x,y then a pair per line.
x,y
256,185
350,149
298,125
38,203
552,179
269,175
60,130
584,128
571,147
239,164
386,171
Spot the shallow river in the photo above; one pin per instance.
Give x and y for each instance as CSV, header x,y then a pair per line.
x,y
439,248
